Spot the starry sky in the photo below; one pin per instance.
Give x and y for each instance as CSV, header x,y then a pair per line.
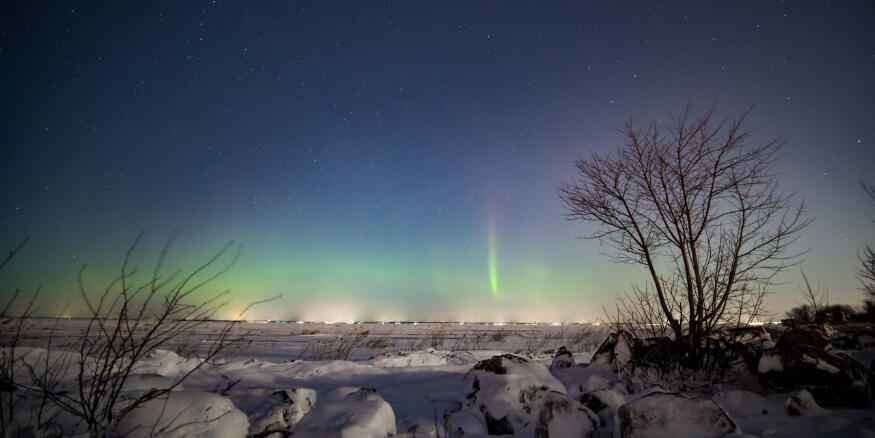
x,y
399,160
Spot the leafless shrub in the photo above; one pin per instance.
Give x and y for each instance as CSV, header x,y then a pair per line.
x,y
339,347
498,337
225,386
816,299
303,332
470,340
866,271
11,324
436,339
380,343
85,377
585,339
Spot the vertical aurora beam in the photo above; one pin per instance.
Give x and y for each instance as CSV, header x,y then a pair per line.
x,y
493,257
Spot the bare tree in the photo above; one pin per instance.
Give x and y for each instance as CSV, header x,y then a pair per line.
x,y
866,271
816,301
696,203
11,325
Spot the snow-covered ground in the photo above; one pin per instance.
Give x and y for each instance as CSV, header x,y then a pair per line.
x,y
374,379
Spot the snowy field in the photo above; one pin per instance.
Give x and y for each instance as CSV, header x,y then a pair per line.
x,y
423,385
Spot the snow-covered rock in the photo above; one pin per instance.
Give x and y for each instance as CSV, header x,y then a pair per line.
x,y
673,415
281,411
185,414
617,350
604,403
770,362
464,423
416,427
801,403
563,359
505,391
411,359
165,363
561,416
833,379
802,333
361,414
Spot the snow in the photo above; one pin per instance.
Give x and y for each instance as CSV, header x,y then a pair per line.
x,y
505,389
673,415
185,414
362,413
770,362
281,411
419,390
821,365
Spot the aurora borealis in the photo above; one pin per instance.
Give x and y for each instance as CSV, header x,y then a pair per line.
x,y
399,161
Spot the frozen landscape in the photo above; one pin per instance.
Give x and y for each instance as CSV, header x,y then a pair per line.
x,y
467,379
334,219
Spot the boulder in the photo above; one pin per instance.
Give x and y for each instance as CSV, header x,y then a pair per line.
x,y
801,403
416,427
563,359
673,415
505,390
617,350
185,414
561,416
604,403
464,423
281,411
833,379
803,333
360,414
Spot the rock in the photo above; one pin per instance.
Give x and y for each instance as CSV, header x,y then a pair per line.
x,y
561,416
801,403
563,359
281,411
673,415
505,391
803,333
833,379
845,341
604,403
185,414
617,350
464,423
416,427
853,336
362,413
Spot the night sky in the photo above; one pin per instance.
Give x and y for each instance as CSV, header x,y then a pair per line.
x,y
400,160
